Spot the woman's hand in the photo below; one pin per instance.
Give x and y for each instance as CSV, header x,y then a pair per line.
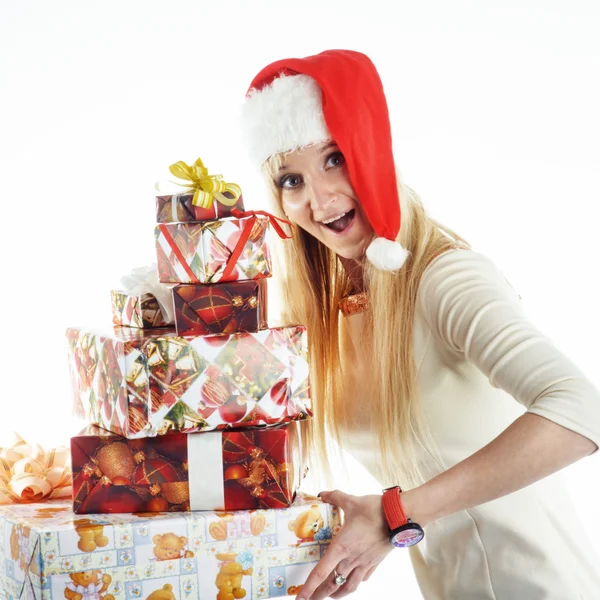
x,y
362,543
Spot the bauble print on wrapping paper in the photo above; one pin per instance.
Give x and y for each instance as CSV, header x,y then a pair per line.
x,y
201,252
142,383
238,306
179,208
137,311
233,470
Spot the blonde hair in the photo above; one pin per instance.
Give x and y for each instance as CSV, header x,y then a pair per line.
x,y
313,282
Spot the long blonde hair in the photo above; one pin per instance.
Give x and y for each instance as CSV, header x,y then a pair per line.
x,y
313,282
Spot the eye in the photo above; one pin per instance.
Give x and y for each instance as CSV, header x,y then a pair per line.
x,y
289,182
335,159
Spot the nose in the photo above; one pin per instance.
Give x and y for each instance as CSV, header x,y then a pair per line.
x,y
322,195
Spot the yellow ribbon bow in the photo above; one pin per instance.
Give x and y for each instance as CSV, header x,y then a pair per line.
x,y
28,473
206,187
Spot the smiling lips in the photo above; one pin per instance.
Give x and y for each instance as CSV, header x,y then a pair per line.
x,y
340,222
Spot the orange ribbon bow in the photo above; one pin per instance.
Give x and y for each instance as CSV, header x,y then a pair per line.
x,y
28,473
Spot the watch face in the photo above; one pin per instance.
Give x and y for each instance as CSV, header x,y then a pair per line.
x,y
409,535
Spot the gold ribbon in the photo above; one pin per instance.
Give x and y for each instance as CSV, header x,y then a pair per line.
x,y
28,473
206,187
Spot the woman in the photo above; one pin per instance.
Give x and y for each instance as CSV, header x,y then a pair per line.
x,y
424,365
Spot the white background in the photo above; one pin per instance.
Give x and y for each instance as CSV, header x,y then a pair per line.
x,y
494,107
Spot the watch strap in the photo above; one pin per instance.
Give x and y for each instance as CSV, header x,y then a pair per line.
x,y
392,507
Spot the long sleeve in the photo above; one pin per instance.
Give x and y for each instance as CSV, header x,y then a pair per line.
x,y
470,306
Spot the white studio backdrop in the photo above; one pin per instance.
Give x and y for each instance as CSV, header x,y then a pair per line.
x,y
494,107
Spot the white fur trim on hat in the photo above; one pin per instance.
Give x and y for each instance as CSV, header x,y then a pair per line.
x,y
285,115
386,255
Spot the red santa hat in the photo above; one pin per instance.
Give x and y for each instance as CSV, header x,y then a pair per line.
x,y
335,95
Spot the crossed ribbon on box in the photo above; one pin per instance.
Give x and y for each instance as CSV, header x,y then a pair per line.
x,y
28,473
241,243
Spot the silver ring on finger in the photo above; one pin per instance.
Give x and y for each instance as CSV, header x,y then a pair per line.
x,y
339,579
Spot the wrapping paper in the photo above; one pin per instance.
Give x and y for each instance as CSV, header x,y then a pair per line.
x,y
141,311
221,470
141,383
46,551
220,307
225,250
178,208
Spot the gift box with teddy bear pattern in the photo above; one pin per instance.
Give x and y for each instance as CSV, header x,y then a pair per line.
x,y
47,552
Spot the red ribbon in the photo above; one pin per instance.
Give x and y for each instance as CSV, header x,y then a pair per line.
x,y
239,247
177,252
241,243
240,214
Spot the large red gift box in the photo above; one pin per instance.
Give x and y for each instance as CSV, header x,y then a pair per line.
x,y
141,383
179,208
220,307
221,470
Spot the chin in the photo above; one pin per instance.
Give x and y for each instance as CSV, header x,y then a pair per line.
x,y
351,253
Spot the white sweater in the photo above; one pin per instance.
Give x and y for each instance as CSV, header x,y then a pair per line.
x,y
481,364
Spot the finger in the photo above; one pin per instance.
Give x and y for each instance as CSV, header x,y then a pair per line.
x,y
336,497
356,577
322,570
370,572
326,589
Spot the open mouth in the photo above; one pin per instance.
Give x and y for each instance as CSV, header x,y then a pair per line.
x,y
340,223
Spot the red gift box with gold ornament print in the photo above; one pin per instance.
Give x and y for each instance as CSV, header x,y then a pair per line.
x,y
222,470
180,208
141,383
220,307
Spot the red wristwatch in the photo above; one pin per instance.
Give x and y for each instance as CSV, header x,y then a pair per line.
x,y
403,532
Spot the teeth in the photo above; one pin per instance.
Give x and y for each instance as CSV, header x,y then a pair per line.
x,y
335,218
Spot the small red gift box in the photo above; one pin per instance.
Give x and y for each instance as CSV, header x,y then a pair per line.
x,y
179,208
225,470
141,311
220,307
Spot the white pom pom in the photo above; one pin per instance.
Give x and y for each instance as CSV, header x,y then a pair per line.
x,y
386,255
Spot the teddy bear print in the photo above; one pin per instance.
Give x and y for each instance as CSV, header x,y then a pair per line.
x,y
88,585
308,526
49,512
294,589
19,544
229,577
218,529
168,546
91,534
166,593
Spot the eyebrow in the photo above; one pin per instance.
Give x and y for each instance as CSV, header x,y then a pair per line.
x,y
321,151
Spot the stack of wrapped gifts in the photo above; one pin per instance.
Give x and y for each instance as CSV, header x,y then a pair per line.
x,y
186,477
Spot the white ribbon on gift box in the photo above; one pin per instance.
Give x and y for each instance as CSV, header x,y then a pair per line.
x,y
205,471
144,280
205,467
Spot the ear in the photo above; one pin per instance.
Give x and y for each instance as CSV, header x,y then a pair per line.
x,y
167,587
292,525
183,540
156,539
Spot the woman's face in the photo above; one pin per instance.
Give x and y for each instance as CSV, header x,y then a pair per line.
x,y
317,195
